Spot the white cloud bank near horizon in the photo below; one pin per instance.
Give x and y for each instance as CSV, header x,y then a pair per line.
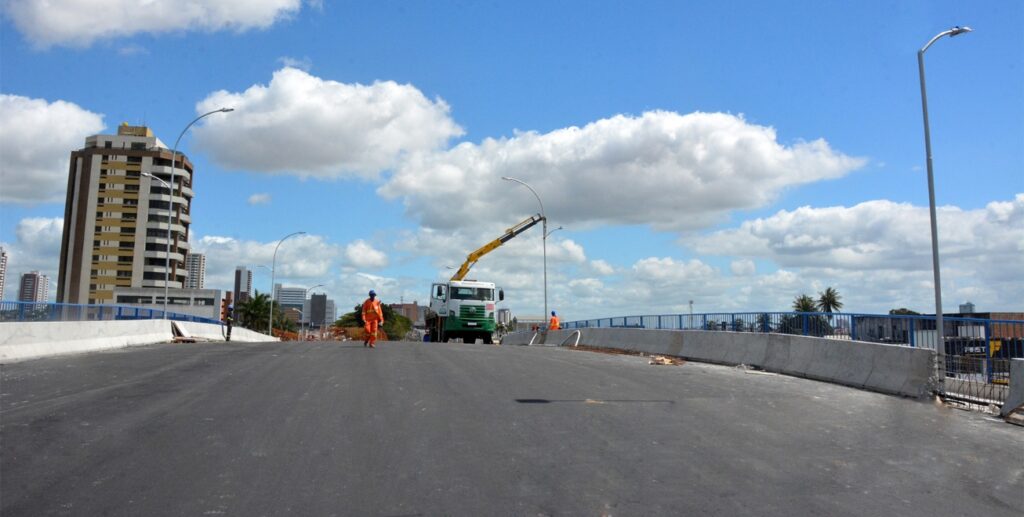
x,y
75,23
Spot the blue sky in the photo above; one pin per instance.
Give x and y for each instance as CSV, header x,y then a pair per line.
x,y
644,232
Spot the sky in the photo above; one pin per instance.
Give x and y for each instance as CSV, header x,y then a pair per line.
x,y
733,154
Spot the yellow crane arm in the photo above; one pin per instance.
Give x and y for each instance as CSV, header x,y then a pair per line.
x,y
491,246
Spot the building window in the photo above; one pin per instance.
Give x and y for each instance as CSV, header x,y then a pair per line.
x,y
107,145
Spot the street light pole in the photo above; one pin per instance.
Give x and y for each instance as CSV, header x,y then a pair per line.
x,y
273,271
170,197
940,346
544,241
168,187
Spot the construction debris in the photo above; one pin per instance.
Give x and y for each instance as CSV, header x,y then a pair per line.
x,y
661,359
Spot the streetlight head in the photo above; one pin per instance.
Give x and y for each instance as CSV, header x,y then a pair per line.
x,y
229,110
958,30
506,178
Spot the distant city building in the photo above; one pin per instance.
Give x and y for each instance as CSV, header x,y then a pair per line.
x,y
288,297
317,310
204,303
115,218
3,272
504,316
195,263
243,284
409,310
967,308
330,312
35,287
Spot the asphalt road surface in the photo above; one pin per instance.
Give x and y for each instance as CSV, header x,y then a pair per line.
x,y
450,429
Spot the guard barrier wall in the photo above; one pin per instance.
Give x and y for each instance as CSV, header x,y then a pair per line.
x,y
885,368
28,340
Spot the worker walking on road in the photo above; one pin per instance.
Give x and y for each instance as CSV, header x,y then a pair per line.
x,y
373,317
554,323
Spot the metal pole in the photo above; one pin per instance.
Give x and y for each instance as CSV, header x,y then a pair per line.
x,y
544,242
940,345
273,271
170,202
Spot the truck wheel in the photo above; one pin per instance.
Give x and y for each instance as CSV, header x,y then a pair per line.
x,y
487,339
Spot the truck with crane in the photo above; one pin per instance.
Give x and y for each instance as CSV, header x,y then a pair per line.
x,y
465,309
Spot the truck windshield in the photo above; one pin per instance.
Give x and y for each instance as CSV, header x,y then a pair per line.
x,y
472,293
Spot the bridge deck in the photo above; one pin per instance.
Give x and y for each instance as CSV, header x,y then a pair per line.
x,y
412,428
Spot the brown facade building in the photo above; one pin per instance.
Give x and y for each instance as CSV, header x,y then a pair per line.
x,y
116,217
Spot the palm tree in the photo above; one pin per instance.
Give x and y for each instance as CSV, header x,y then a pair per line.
x,y
804,303
828,301
252,313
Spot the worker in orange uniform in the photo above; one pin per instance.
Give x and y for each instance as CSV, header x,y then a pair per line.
x,y
373,317
554,324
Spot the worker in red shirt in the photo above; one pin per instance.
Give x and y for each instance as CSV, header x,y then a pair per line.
x,y
373,317
554,323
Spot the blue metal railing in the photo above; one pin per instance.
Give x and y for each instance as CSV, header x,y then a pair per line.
x,y
38,311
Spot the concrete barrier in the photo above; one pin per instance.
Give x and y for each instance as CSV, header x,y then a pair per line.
x,y
889,369
1015,397
27,340
214,332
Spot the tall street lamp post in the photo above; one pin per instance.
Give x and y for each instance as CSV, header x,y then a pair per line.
x,y
168,187
170,197
940,347
544,242
273,271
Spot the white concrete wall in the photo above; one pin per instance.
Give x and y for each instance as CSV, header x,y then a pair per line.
x,y
886,368
27,340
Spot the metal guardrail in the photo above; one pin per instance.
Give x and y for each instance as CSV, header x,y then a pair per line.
x,y
36,311
978,350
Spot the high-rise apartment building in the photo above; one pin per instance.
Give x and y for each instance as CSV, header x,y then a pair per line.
x,y
243,284
35,287
116,218
195,263
3,271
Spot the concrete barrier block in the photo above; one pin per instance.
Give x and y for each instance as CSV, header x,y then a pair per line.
x,y
1015,397
517,338
28,340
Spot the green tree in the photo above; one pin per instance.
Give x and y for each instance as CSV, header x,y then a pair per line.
x,y
829,301
804,303
903,312
252,314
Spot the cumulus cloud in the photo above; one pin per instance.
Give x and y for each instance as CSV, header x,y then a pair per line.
x,y
36,139
878,234
259,199
671,171
304,63
311,127
77,23
601,267
362,255
36,248
744,267
299,259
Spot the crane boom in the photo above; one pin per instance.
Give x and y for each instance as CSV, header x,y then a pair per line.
x,y
491,246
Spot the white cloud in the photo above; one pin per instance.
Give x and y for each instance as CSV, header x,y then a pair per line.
x,y
36,140
362,255
743,267
78,23
879,235
305,259
259,199
668,170
312,127
36,248
601,267
133,50
304,63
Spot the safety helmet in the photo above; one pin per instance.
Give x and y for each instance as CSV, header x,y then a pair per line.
x,y
373,293
553,313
